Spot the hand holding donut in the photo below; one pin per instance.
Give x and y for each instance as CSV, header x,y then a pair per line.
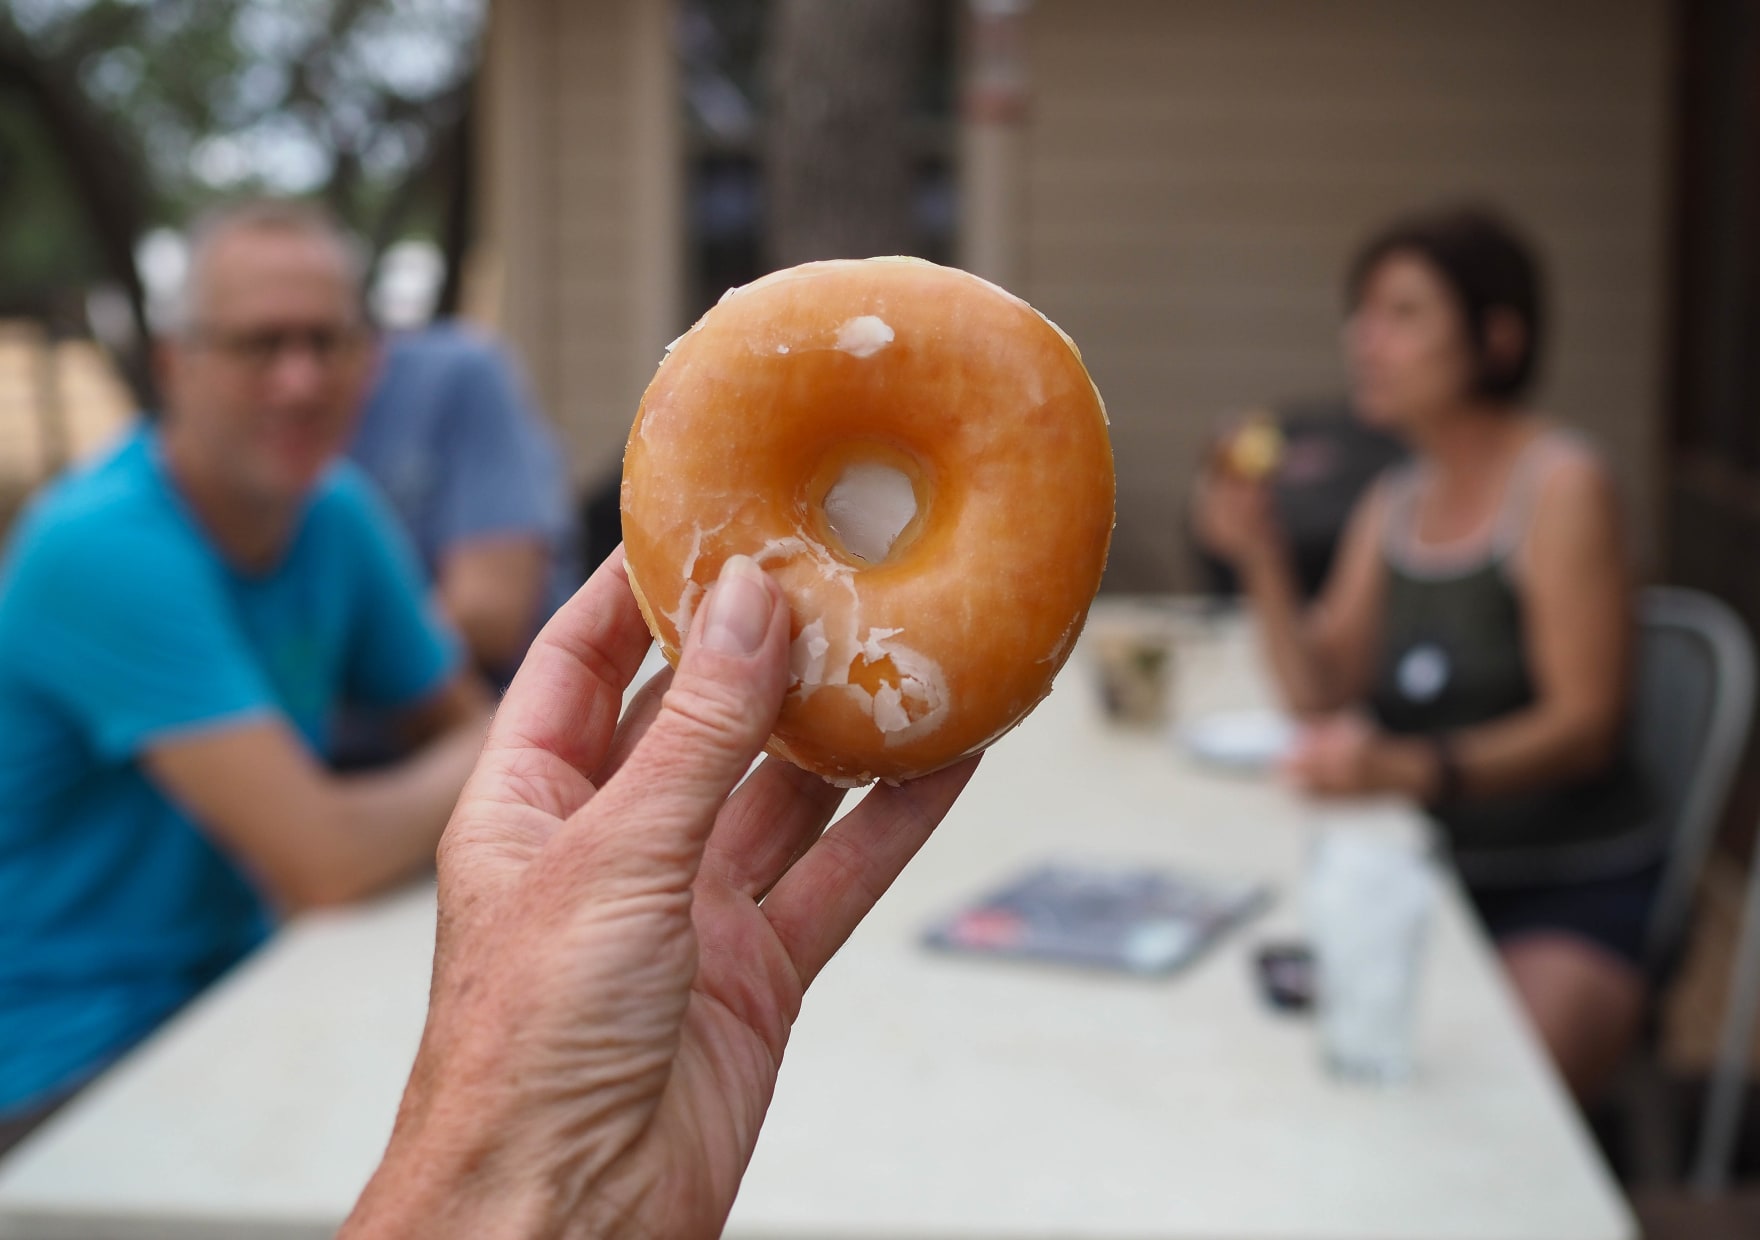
x,y
1234,519
610,999
1232,514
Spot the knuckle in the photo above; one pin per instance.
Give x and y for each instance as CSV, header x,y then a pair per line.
x,y
854,868
707,711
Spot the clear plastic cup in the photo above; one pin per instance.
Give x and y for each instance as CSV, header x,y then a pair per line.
x,y
1134,656
1371,898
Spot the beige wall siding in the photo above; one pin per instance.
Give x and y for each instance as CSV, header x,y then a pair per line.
x,y
514,185
581,187
1198,172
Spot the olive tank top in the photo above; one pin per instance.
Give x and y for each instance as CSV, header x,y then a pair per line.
x,y
1452,655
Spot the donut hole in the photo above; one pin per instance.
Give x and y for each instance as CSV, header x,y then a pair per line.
x,y
868,507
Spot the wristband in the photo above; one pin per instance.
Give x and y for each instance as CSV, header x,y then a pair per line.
x,y
1448,771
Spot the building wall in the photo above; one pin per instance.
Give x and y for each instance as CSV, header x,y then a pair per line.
x,y
1197,173
1193,175
580,183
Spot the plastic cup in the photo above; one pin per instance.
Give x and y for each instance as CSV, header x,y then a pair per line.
x,y
1371,899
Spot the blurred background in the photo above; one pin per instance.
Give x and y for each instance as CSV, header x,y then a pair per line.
x,y
1178,183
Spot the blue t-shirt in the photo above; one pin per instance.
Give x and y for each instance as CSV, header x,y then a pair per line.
x,y
121,627
451,437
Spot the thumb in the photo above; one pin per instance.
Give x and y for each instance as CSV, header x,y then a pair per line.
x,y
714,719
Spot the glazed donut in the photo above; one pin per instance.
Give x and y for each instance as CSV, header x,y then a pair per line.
x,y
1255,450
920,460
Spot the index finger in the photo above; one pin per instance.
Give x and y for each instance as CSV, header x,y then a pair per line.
x,y
823,897
568,693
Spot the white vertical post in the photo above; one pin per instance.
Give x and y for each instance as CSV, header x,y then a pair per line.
x,y
993,111
656,198
515,278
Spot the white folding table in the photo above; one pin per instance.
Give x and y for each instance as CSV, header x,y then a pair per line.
x,y
923,1094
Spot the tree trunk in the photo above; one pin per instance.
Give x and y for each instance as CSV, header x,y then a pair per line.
x,y
109,178
838,166
458,222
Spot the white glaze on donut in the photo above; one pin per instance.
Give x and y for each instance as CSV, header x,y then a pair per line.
x,y
864,335
831,647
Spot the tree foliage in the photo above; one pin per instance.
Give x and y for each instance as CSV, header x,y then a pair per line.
x,y
139,111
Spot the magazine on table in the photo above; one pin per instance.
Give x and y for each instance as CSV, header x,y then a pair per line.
x,y
1132,919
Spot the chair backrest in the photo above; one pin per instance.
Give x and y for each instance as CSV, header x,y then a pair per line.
x,y
1691,709
1728,1095
1691,712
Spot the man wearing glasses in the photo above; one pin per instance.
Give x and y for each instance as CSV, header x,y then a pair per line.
x,y
178,624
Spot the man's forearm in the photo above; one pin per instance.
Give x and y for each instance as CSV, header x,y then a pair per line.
x,y
492,590
392,818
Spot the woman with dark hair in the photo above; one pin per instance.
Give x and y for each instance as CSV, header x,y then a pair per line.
x,y
1472,646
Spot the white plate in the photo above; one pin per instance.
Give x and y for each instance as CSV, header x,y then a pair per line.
x,y
1243,740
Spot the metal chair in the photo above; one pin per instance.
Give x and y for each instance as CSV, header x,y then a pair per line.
x,y
1691,709
1693,696
1692,706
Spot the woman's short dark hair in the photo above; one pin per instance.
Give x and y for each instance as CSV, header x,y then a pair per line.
x,y
1488,266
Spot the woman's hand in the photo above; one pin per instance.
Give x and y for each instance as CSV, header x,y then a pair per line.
x,y
1346,755
1234,519
624,937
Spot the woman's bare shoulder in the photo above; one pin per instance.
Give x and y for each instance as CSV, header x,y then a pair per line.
x,y
1576,498
1568,448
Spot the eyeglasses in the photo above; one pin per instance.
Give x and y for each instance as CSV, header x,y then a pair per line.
x,y
260,349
